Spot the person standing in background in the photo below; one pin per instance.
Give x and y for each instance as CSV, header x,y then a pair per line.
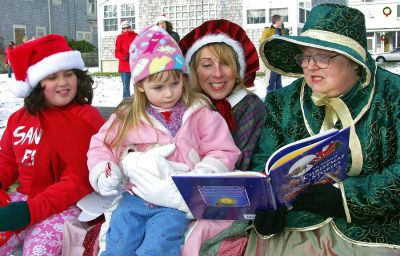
x,y
10,46
163,22
122,44
276,28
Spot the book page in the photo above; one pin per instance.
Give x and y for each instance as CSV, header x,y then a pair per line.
x,y
93,205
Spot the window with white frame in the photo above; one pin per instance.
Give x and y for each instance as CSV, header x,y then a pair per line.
x,y
110,18
91,7
128,13
186,16
279,11
304,11
256,16
40,31
83,35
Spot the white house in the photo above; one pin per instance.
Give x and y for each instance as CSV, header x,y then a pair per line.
x,y
382,22
183,14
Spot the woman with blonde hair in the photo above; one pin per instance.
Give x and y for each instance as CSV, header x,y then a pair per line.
x,y
222,62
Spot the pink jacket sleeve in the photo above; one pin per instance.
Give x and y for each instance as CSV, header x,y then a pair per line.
x,y
216,142
99,155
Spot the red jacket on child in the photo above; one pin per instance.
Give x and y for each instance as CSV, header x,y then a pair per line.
x,y
46,153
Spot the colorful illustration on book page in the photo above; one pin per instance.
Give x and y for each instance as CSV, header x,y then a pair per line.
x,y
217,196
320,167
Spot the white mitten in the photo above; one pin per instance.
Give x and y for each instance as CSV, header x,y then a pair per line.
x,y
153,162
109,181
157,191
210,165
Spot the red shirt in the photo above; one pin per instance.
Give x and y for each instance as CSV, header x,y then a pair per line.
x,y
46,153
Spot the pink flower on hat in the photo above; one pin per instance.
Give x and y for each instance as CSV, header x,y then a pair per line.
x,y
153,51
36,59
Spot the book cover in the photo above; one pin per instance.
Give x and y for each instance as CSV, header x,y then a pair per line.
x,y
323,161
289,171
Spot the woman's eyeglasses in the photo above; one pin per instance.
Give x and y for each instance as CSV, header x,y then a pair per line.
x,y
320,60
126,28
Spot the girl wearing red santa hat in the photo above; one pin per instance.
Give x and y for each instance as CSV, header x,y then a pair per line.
x,y
221,62
44,145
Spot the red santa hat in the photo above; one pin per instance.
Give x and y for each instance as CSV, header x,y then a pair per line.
x,y
223,31
36,59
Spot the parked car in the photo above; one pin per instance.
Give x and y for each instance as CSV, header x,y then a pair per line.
x,y
387,56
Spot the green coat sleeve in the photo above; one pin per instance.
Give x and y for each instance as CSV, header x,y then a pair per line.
x,y
376,192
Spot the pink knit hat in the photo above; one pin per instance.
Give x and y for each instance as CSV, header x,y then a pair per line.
x,y
153,51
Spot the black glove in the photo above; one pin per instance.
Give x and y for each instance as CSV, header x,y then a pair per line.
x,y
126,58
268,222
14,216
322,199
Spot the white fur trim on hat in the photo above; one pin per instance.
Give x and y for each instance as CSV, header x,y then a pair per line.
x,y
20,89
217,38
160,18
52,64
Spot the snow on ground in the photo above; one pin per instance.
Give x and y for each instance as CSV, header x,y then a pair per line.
x,y
108,92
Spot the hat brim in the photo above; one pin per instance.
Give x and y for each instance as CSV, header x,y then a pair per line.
x,y
278,54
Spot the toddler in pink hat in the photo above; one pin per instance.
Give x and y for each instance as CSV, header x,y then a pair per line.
x,y
164,129
154,51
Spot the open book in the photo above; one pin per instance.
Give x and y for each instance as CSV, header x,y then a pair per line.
x,y
288,172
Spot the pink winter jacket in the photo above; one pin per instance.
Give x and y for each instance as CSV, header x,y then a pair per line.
x,y
204,136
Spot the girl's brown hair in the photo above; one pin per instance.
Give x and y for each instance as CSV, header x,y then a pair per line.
x,y
35,102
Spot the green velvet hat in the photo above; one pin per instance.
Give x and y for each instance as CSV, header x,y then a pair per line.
x,y
330,27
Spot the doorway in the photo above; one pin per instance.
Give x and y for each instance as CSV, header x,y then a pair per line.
x,y
19,33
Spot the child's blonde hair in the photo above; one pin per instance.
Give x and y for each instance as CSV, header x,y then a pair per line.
x,y
227,56
131,110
